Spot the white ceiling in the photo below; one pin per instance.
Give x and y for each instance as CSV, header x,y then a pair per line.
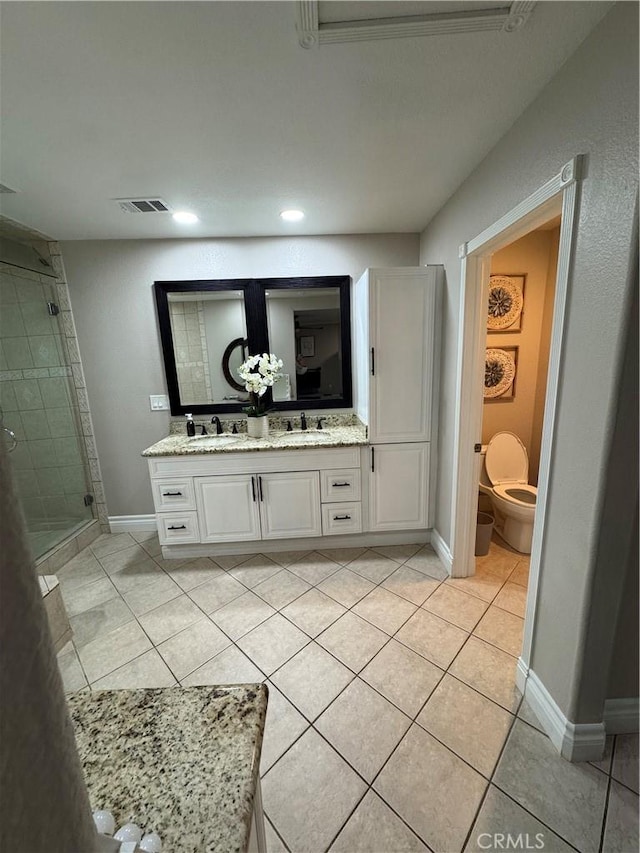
x,y
215,107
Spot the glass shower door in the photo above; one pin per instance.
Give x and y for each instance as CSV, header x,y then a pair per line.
x,y
38,410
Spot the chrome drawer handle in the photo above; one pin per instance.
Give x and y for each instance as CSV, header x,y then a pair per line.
x,y
178,527
340,485
172,494
341,517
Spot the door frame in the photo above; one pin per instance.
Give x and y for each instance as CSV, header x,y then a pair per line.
x,y
558,195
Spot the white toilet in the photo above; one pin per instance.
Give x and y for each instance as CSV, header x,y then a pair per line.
x,y
504,477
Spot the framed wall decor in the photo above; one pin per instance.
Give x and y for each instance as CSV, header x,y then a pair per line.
x,y
500,371
506,301
307,345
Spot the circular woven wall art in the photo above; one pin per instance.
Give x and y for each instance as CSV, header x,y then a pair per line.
x,y
505,302
499,372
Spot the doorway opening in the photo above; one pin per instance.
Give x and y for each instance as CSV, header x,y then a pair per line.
x,y
557,198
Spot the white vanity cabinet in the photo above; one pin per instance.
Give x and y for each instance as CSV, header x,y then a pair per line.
x,y
395,347
219,498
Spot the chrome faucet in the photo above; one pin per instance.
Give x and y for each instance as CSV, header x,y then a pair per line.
x,y
303,421
216,420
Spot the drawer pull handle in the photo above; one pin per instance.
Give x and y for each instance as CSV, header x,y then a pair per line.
x,y
342,518
172,494
178,527
339,485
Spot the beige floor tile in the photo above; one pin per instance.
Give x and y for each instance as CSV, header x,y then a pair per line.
x,y
399,553
530,768
283,726
86,597
109,543
403,676
385,610
625,761
435,792
285,558
474,727
79,571
363,727
148,670
499,815
483,585
314,568
230,561
313,612
353,640
113,650
229,667
148,596
501,560
527,714
242,615
346,587
193,573
255,570
512,597
605,762
188,650
488,670
501,629
274,843
170,618
310,793
375,567
456,607
217,592
311,680
374,827
140,574
432,637
272,643
410,584
145,536
281,589
621,828
151,545
124,559
427,561
341,555
520,575
73,678
96,621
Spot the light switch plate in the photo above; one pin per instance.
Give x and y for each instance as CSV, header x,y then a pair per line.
x,y
159,402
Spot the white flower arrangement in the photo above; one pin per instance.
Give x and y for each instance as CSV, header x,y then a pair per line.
x,y
259,372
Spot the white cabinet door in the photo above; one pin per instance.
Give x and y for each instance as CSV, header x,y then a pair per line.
x,y
398,486
290,504
228,508
401,353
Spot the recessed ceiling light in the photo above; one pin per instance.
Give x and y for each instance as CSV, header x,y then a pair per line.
x,y
184,217
291,215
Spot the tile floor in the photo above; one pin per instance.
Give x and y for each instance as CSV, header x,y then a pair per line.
x,y
394,723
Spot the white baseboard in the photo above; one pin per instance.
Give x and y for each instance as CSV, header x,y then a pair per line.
x,y
621,716
522,673
132,523
442,550
575,742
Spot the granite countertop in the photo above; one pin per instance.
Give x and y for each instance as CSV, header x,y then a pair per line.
x,y
333,436
181,761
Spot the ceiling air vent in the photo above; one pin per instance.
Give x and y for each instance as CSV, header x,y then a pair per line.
x,y
143,205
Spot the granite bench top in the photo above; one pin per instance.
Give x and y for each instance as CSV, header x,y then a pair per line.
x,y
311,439
182,761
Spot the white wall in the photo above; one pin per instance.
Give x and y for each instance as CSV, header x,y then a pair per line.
x,y
590,107
111,281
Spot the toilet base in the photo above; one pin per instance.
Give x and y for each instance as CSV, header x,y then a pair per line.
x,y
518,534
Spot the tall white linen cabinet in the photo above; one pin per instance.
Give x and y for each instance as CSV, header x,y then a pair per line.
x,y
396,372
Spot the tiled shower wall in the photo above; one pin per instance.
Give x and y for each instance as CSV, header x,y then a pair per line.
x,y
44,400
192,360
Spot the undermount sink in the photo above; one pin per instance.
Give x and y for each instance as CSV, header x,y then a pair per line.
x,y
306,437
210,441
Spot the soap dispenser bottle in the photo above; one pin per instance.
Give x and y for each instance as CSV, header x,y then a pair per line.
x,y
191,427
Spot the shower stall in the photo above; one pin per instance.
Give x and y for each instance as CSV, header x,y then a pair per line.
x,y
39,418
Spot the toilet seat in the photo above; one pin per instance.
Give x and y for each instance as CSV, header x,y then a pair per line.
x,y
506,460
509,492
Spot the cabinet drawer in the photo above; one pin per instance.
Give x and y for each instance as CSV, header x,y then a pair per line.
x,y
340,485
177,527
341,518
173,494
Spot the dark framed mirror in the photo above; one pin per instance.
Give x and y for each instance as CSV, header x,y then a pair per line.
x,y
208,328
